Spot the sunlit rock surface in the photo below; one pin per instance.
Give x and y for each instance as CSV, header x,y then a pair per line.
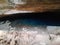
x,y
8,12
17,11
23,38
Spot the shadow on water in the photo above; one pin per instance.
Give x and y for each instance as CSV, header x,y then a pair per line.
x,y
33,19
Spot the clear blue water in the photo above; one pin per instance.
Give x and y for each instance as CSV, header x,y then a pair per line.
x,y
28,22
34,22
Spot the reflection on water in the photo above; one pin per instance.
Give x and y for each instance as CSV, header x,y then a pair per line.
x,y
28,32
